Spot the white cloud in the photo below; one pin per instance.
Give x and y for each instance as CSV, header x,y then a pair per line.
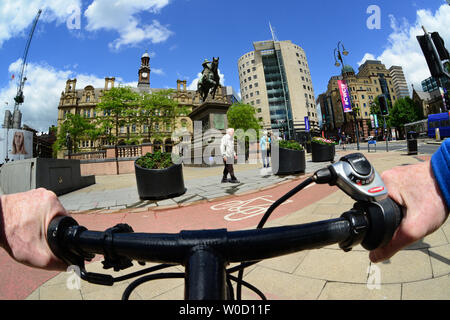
x,y
122,16
16,16
403,48
42,92
159,72
367,56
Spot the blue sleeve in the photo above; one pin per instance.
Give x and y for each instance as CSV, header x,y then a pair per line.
x,y
441,168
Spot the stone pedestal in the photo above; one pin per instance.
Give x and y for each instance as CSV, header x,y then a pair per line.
x,y
214,122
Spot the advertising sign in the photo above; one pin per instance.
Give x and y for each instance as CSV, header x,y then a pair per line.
x,y
15,145
345,96
372,120
307,125
376,120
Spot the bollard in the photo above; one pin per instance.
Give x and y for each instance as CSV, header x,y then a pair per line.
x,y
438,135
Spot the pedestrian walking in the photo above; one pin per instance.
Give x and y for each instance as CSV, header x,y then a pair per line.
x,y
229,156
344,140
264,146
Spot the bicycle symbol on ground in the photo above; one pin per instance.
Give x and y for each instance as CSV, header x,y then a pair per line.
x,y
246,209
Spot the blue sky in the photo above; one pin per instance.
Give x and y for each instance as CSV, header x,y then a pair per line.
x,y
180,34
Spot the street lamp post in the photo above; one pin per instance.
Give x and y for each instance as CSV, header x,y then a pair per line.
x,y
338,52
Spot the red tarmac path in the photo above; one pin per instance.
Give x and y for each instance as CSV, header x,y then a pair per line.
x,y
18,282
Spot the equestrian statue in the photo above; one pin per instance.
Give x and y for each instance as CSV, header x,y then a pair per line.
x,y
210,79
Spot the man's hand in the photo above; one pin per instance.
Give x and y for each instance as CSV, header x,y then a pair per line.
x,y
415,189
26,217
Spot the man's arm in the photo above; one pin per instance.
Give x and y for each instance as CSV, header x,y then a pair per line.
x,y
24,221
223,147
421,190
441,169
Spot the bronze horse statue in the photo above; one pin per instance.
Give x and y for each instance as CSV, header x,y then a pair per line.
x,y
210,80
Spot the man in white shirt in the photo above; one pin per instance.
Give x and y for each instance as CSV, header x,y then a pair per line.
x,y
228,155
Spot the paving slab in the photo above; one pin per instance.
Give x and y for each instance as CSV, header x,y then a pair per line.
x,y
332,265
352,291
277,285
406,266
430,289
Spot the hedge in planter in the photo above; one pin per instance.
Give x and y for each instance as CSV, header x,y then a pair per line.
x,y
291,158
323,150
158,178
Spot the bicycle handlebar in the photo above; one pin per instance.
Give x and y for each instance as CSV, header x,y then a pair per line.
x,y
370,224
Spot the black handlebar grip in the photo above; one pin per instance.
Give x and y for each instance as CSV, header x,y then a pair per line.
x,y
397,212
385,216
56,232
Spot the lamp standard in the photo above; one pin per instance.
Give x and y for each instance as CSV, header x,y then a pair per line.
x,y
338,52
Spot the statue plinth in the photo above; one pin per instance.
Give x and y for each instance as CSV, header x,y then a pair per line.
x,y
213,116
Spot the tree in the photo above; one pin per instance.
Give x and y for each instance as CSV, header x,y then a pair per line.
x,y
375,109
243,116
403,112
159,108
118,106
78,128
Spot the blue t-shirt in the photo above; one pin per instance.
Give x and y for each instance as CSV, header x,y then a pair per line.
x,y
441,168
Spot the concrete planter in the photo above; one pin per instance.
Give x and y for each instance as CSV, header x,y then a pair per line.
x,y
160,184
323,153
59,176
291,162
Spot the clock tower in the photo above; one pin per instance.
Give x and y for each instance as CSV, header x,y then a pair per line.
x,y
144,72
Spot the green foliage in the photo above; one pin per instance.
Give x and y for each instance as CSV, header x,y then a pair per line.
x,y
78,128
243,116
291,145
157,160
116,109
159,108
404,111
375,109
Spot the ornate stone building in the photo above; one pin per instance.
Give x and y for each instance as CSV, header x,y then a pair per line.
x,y
84,102
372,80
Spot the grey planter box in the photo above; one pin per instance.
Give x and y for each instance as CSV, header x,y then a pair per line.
x,y
57,175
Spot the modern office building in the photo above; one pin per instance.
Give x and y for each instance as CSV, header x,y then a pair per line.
x,y
399,80
430,84
276,80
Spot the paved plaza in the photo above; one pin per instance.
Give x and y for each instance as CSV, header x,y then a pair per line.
x,y
421,271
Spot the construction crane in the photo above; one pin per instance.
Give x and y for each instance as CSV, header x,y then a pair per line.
x,y
16,119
